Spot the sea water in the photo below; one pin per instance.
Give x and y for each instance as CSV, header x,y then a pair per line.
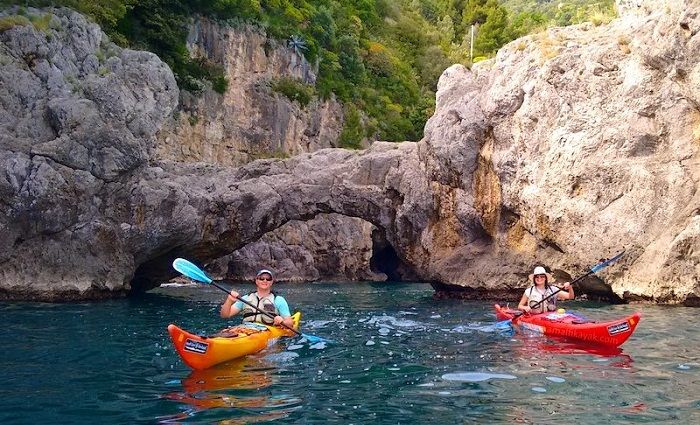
x,y
396,355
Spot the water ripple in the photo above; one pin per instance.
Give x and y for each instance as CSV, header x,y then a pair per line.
x,y
397,356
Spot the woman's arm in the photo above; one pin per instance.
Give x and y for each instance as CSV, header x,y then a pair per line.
x,y
523,304
567,292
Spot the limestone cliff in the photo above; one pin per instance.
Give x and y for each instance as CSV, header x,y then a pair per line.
x,y
78,118
570,145
249,120
574,144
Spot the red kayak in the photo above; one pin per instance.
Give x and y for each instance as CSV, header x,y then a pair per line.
x,y
612,333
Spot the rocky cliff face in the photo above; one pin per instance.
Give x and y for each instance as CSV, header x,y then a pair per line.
x,y
251,121
580,142
78,117
570,146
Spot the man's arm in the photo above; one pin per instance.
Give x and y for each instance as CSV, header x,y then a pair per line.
x,y
285,316
231,305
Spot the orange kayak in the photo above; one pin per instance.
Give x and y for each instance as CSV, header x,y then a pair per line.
x,y
201,352
611,333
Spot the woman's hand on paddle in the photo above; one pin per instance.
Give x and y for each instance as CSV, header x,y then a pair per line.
x,y
566,286
233,296
277,320
526,309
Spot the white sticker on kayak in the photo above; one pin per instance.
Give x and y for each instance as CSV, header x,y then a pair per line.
x,y
532,328
196,346
618,328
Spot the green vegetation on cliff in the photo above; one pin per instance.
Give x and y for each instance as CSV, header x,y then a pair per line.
x,y
381,58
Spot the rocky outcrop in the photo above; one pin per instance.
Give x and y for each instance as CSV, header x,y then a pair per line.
x,y
579,142
567,147
87,207
78,117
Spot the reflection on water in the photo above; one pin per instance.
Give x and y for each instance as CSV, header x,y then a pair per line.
x,y
238,384
398,356
535,347
241,374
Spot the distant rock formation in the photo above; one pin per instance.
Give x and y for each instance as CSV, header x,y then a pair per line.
x,y
330,247
250,120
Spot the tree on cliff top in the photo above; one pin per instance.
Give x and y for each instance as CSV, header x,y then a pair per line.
x,y
382,56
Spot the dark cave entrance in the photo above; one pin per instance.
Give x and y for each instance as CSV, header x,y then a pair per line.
x,y
385,260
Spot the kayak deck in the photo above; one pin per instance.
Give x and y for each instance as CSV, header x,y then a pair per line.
x,y
201,352
610,333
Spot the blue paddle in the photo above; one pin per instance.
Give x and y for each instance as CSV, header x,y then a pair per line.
x,y
195,273
600,266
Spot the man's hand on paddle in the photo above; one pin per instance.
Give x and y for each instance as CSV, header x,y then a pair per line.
x,y
233,296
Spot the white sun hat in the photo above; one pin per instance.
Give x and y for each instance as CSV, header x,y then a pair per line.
x,y
541,270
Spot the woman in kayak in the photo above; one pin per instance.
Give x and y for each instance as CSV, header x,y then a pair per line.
x,y
264,299
540,290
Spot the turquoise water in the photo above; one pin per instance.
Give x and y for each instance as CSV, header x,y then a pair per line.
x,y
398,356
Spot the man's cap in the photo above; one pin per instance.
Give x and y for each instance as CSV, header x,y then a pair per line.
x,y
263,271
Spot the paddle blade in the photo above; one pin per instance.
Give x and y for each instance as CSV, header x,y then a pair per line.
x,y
190,270
503,325
606,263
314,339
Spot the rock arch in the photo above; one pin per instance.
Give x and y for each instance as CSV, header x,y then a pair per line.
x,y
509,172
218,210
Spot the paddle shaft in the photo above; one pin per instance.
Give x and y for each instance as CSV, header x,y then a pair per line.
x,y
272,316
594,269
590,272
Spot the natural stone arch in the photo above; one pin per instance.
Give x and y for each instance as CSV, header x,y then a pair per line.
x,y
509,171
220,210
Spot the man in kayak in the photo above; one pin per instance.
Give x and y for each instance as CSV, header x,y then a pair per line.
x,y
541,290
264,299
